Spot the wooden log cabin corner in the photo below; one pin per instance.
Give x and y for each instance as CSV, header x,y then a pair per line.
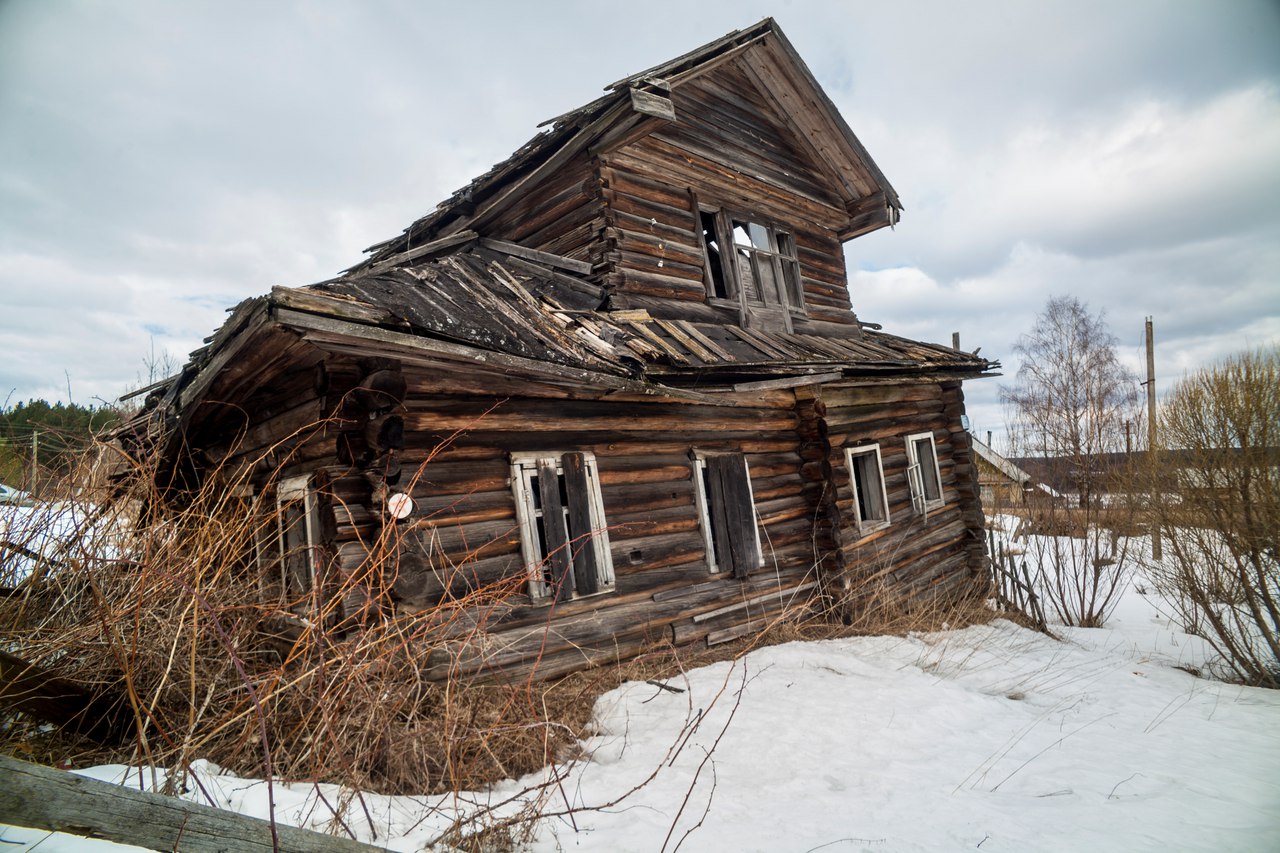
x,y
618,378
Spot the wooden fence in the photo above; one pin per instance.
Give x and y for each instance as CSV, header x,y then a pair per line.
x,y
1012,581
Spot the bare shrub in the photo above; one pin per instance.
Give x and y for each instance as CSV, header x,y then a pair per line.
x,y
159,605
1218,506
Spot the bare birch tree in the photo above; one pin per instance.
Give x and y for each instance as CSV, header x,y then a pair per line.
x,y
1072,396
1068,407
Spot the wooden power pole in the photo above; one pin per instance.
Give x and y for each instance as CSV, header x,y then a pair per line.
x,y
1152,438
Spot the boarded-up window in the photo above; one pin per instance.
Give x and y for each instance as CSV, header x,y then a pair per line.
x,y
727,512
922,473
562,527
866,479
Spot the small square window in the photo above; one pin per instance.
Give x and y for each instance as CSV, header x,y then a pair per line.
x,y
562,529
866,479
922,473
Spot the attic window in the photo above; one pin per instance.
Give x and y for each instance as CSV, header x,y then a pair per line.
x,y
717,286
750,261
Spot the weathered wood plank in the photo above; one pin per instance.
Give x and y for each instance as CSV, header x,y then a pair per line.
x,y
57,801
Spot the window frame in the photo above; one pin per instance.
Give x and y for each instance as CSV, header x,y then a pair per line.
x,y
291,495
859,459
537,563
780,251
703,490
917,479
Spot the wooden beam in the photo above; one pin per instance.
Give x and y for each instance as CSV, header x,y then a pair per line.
x,y
329,304
57,801
439,245
647,103
528,254
103,717
323,331
789,382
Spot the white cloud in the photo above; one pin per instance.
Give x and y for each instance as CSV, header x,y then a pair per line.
x,y
159,162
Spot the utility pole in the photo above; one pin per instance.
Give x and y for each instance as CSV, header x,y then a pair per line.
x,y
35,456
1152,440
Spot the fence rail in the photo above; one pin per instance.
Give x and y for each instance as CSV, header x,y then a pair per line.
x,y
40,797
1012,582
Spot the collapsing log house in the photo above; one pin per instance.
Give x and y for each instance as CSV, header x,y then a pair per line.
x,y
619,373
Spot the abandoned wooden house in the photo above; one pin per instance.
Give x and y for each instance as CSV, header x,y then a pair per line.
x,y
619,373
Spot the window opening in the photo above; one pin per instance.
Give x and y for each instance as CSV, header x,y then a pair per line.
x,y
726,513
564,541
922,473
717,285
866,475
297,517
752,260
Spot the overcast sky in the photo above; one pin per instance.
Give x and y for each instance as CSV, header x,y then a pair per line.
x,y
160,161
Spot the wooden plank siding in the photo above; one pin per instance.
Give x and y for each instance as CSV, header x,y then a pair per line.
x,y
548,310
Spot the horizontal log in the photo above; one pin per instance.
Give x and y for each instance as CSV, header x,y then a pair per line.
x,y
57,801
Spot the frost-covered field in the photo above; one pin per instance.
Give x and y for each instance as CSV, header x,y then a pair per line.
x,y
991,737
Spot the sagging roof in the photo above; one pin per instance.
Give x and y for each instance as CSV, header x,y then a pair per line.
x,y
869,199
483,298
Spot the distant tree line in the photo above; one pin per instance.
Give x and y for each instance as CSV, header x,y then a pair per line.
x,y
42,440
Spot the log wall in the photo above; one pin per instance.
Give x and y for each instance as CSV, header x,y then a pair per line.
x,y
632,211
938,555
464,539
459,556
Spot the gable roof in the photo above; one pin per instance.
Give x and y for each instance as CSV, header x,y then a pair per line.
x,y
1001,464
638,104
484,311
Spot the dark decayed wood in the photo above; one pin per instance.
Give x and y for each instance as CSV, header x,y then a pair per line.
x,y
553,529
559,306
58,801
581,535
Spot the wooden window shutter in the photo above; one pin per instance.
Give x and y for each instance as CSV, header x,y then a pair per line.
x,y
553,528
734,513
586,565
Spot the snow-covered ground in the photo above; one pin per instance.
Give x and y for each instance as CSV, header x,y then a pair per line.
x,y
991,737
